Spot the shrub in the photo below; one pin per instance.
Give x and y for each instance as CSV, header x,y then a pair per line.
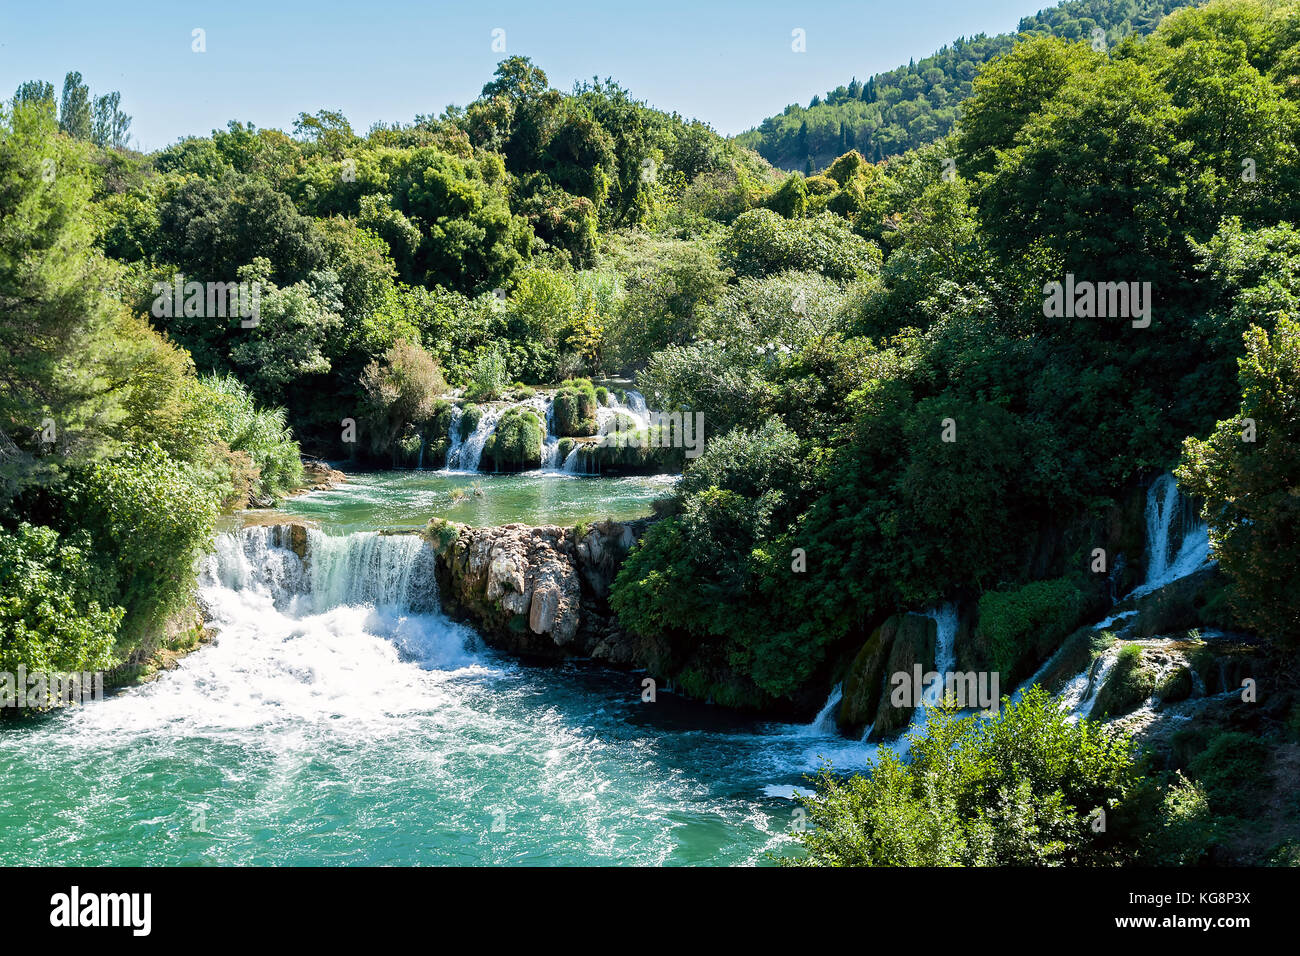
x,y
150,519
1019,789
54,610
1012,622
516,443
399,392
260,433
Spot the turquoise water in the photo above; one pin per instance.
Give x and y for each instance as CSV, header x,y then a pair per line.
x,y
331,722
409,499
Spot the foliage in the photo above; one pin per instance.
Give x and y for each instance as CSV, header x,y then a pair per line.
x,y
150,518
1020,789
1011,622
53,611
1246,473
399,391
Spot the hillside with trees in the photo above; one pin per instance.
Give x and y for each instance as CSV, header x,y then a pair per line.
x,y
905,108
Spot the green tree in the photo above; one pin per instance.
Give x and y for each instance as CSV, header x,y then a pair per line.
x,y
74,107
1247,473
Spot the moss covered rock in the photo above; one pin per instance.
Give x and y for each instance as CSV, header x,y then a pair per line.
x,y
865,679
1130,682
516,443
914,643
573,409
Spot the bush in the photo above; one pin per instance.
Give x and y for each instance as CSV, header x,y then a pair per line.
x,y
399,392
516,443
1012,622
55,614
1020,789
260,433
150,520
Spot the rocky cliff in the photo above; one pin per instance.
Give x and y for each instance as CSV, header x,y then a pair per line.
x,y
538,591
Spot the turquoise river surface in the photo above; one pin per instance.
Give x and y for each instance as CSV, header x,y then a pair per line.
x,y
340,718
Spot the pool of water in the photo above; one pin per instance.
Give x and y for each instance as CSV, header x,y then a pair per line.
x,y
408,499
330,723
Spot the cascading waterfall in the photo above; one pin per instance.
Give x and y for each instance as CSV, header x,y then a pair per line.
x,y
945,659
824,724
551,442
393,570
570,466
634,402
472,450
453,438
367,568
1171,516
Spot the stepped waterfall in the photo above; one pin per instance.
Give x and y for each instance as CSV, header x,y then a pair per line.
x,y
465,455
1177,545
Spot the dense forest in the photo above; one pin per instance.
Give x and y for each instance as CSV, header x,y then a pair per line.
x,y
908,107
895,417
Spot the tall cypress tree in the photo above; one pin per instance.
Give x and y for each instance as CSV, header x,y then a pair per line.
x,y
74,107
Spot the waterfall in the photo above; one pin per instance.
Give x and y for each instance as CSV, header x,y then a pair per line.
x,y
419,465
1080,694
453,439
1169,513
635,403
824,724
255,557
384,570
945,659
551,443
472,450
366,568
571,461
1162,500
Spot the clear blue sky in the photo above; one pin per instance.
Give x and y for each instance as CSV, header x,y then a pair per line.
x,y
726,62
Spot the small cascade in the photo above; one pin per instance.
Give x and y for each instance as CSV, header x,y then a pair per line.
x,y
383,570
1080,694
368,568
945,659
453,439
635,403
570,466
419,465
256,557
472,449
551,442
1170,518
824,724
